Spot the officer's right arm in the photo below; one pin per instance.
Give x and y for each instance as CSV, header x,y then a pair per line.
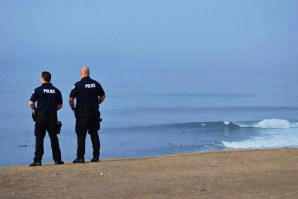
x,y
101,93
59,100
101,99
59,106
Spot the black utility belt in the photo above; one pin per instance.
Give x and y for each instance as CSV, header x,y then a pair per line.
x,y
45,111
91,108
88,107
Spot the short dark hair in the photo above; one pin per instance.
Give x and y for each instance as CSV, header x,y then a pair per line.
x,y
46,76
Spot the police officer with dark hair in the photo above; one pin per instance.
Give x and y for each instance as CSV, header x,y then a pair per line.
x,y
89,95
49,101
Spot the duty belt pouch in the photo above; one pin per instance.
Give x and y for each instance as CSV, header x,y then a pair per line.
x,y
99,121
59,125
34,115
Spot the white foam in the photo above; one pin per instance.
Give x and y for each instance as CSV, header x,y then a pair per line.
x,y
275,139
244,125
261,144
226,122
273,124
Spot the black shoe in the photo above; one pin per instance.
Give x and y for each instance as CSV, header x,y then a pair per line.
x,y
95,160
33,164
59,162
79,160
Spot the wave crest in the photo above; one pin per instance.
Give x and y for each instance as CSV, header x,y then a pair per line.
x,y
273,124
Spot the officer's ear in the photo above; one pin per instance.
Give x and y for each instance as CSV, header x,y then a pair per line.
x,y
42,79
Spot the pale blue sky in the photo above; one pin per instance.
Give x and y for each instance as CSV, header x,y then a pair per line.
x,y
254,32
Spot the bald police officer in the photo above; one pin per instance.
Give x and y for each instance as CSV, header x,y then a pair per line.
x,y
49,101
89,95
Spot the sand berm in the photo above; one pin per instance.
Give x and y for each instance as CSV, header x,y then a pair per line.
x,y
224,174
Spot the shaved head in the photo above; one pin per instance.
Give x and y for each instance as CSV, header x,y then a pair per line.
x,y
85,71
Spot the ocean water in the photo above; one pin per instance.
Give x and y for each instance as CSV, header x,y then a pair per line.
x,y
157,109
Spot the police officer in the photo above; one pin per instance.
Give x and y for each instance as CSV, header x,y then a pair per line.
x,y
49,101
89,95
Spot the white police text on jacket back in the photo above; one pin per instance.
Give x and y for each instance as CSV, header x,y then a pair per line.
x,y
90,86
52,91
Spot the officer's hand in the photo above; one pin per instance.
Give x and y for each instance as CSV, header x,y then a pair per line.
x,y
76,112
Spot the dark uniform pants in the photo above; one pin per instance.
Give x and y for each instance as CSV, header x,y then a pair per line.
x,y
46,121
87,119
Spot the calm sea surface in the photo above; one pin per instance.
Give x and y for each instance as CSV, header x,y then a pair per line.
x,y
156,110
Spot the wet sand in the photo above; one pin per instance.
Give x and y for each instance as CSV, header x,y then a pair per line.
x,y
225,174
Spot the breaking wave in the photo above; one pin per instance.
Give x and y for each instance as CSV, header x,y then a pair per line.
x,y
283,134
263,124
270,124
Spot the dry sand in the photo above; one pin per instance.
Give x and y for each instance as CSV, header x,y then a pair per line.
x,y
226,174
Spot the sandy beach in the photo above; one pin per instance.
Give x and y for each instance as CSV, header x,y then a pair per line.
x,y
225,174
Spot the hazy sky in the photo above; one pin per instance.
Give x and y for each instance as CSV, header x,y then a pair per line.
x,y
260,32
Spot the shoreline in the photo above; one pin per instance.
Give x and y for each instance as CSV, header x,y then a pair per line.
x,y
257,173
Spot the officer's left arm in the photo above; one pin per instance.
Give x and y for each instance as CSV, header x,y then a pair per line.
x,y
71,103
33,99
32,105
